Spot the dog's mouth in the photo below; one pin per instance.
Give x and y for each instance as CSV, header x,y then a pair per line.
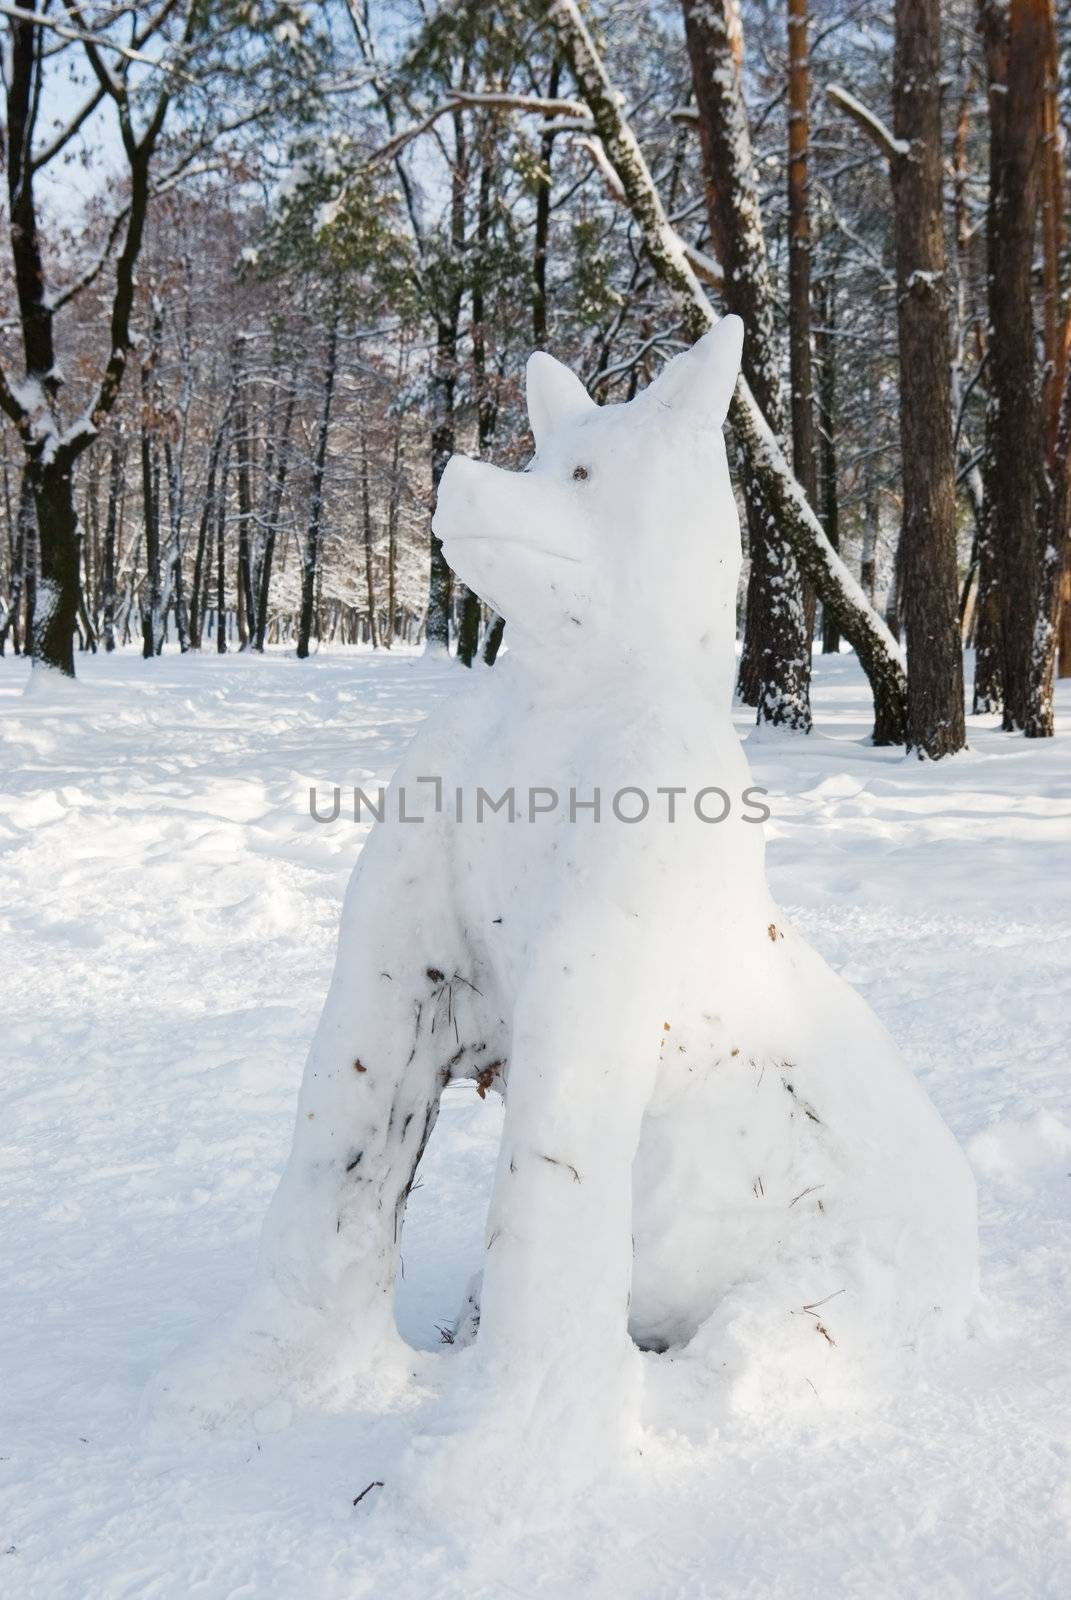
x,y
505,538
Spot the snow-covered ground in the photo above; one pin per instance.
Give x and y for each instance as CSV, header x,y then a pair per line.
x,y
168,913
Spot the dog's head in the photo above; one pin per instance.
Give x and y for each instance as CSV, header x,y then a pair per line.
x,y
624,524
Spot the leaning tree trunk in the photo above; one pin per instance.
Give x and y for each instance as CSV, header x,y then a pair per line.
x,y
929,599
775,667
836,588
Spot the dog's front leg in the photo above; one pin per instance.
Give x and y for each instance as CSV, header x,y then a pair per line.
x,y
553,1339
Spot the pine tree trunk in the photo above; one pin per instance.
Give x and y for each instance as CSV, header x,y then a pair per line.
x,y
929,595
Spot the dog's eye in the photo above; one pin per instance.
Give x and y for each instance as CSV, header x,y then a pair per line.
x,y
580,473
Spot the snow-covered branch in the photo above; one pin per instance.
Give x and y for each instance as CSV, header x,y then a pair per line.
x,y
872,125
86,36
458,98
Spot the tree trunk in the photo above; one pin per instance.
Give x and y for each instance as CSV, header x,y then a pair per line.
x,y
274,511
310,574
1015,74
493,642
775,667
393,510
468,633
929,596
201,553
56,590
804,455
366,509
111,531
444,389
542,221
1064,624
1054,544
826,352
221,557
244,587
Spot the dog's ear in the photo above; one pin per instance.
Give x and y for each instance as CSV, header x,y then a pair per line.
x,y
555,396
701,380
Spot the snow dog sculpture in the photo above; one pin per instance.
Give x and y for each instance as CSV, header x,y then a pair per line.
x,y
711,1146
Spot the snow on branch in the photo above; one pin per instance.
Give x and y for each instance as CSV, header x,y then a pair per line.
x,y
876,130
705,267
85,36
458,98
593,148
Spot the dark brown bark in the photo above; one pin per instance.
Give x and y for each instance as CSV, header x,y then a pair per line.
x,y
469,611
151,621
444,387
1015,73
311,573
244,587
366,512
111,533
775,667
804,455
273,510
542,221
826,354
929,597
